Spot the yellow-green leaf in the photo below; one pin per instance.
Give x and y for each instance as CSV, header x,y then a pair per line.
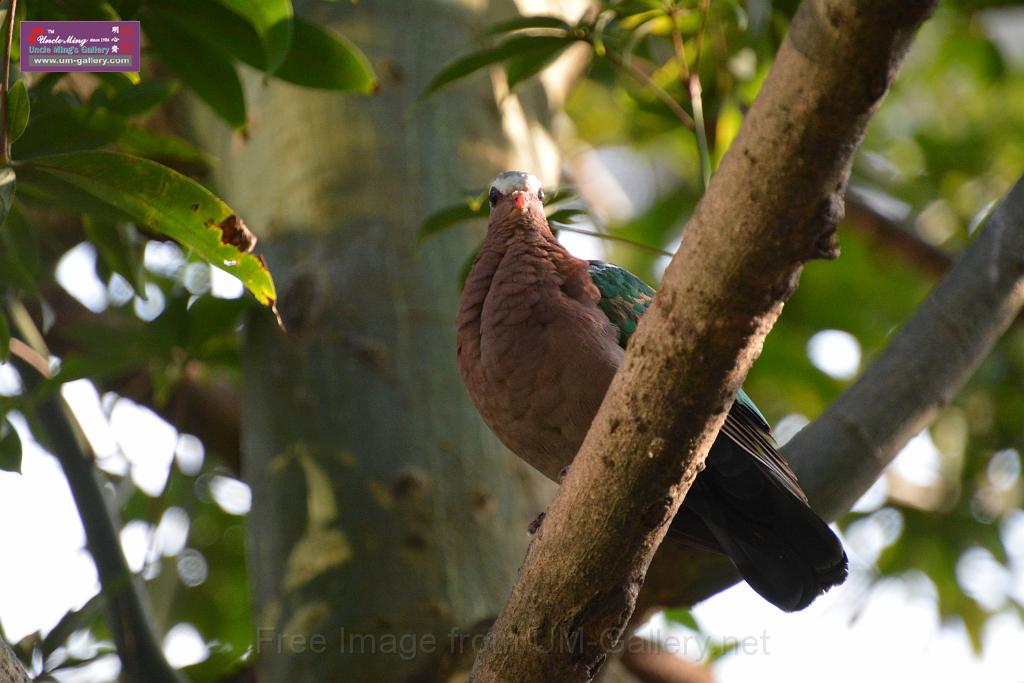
x,y
208,73
17,110
10,447
519,47
7,183
5,338
272,20
323,59
164,201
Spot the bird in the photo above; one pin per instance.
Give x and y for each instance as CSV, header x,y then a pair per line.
x,y
539,335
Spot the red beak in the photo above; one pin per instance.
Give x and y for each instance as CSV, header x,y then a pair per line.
x,y
520,200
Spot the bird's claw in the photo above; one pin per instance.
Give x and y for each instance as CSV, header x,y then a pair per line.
x,y
535,524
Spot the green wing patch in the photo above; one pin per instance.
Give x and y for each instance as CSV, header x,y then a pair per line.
x,y
624,297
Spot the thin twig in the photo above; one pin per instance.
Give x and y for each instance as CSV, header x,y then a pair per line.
x,y
895,235
690,79
141,656
644,79
5,81
611,238
21,350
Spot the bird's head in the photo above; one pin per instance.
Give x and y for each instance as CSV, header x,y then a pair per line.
x,y
514,194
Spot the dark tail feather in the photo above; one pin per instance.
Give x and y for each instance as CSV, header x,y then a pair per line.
x,y
780,546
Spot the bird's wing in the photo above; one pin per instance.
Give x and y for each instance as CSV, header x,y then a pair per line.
x,y
624,298
746,426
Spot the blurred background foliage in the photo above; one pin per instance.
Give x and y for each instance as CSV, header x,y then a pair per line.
x,y
150,326
140,325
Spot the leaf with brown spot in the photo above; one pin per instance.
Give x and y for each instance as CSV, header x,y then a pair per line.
x,y
234,232
160,199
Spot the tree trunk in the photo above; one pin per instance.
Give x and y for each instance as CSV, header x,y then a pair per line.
x,y
384,513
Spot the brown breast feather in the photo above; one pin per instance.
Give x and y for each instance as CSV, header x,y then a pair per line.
x,y
534,350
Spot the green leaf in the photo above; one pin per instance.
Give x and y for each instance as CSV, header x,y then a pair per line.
x,y
135,347
19,259
80,10
17,110
450,215
684,617
163,147
565,215
5,339
119,251
272,20
10,448
464,66
126,9
520,23
64,128
7,184
530,62
323,59
516,46
210,318
217,27
135,100
48,191
317,58
718,650
166,202
207,72
114,80
662,220
73,620
558,196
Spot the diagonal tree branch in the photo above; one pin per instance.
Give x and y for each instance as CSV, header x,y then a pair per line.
x,y
140,653
839,455
921,369
142,658
772,206
11,670
896,236
650,662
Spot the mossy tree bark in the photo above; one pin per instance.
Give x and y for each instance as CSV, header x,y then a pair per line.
x,y
385,515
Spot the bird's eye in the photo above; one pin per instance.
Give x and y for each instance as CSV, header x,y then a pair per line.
x,y
540,195
493,196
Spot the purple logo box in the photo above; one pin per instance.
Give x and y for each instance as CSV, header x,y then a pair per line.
x,y
80,46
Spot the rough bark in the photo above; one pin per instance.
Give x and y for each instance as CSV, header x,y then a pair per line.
x,y
385,515
772,206
11,670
